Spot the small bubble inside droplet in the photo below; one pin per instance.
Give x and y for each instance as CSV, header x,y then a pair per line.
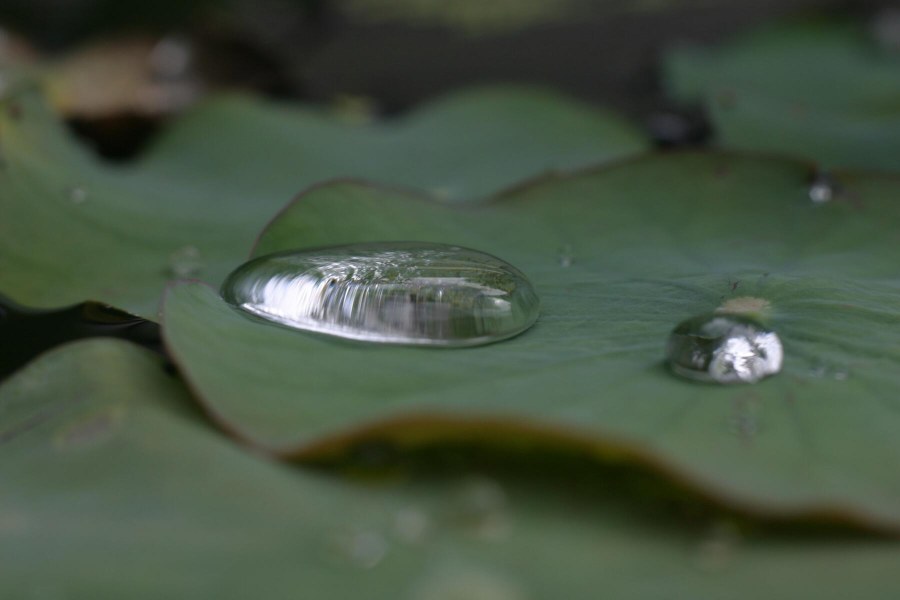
x,y
393,292
724,348
185,262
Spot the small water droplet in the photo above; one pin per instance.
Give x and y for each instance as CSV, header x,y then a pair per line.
x,y
566,256
481,509
724,348
171,57
824,371
364,549
717,550
185,262
822,189
77,194
462,583
398,292
411,525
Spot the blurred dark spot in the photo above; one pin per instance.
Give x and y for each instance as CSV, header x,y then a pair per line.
x,y
116,138
679,128
25,333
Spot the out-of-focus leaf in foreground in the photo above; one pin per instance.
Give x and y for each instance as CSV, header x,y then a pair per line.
x,y
113,488
648,244
818,90
75,229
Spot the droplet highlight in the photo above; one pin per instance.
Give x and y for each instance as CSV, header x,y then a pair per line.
x,y
411,293
722,348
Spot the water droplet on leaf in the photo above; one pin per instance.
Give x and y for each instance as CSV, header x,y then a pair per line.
x,y
411,525
566,256
724,348
398,292
822,189
77,194
719,546
481,509
365,549
185,262
468,584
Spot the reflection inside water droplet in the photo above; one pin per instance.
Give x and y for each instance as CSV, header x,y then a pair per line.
x,y
724,348
397,292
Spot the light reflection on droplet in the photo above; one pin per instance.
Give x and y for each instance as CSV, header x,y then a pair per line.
x,y
724,348
393,292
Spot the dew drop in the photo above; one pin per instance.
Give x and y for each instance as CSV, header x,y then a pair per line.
x,y
185,262
719,547
77,194
411,525
364,549
822,189
467,584
397,293
724,348
481,509
566,256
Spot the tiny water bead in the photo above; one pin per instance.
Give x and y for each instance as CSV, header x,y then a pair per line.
x,y
185,262
412,293
724,348
822,189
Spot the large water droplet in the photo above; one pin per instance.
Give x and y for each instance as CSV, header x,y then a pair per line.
x,y
724,348
398,292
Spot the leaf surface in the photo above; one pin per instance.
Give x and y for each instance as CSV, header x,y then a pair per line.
x,y
74,229
651,242
113,488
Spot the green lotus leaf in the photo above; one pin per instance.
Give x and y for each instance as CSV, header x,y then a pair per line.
x,y
114,488
648,243
823,91
76,229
